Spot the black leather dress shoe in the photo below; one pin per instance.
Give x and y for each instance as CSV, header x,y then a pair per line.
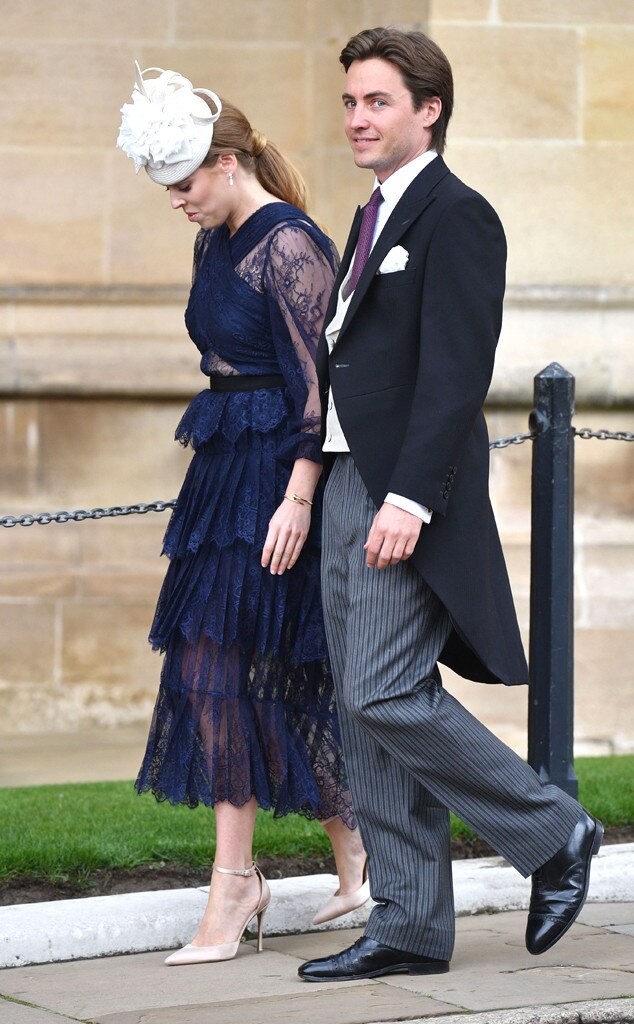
x,y
369,959
560,886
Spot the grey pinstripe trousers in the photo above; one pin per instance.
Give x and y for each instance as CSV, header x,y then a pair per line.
x,y
412,751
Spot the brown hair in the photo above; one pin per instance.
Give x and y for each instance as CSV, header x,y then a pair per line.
x,y
424,68
234,134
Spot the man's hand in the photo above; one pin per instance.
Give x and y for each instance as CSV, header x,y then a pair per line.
x,y
392,537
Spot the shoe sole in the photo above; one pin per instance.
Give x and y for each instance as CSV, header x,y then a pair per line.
x,y
441,968
596,845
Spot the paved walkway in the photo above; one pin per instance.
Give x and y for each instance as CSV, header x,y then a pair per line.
x,y
587,977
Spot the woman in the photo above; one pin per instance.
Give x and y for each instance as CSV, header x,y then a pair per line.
x,y
245,715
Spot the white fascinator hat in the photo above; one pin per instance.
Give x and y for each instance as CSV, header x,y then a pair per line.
x,y
168,127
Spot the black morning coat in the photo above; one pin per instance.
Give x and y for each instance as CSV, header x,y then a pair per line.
x,y
409,375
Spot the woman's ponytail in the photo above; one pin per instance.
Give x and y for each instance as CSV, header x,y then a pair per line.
x,y
233,134
278,175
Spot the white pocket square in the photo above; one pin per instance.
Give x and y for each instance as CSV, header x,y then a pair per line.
x,y
396,259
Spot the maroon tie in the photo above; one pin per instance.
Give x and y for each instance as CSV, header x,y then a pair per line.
x,y
366,234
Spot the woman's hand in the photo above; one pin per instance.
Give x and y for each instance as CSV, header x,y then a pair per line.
x,y
288,529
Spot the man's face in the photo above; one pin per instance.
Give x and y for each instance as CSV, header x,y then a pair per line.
x,y
382,127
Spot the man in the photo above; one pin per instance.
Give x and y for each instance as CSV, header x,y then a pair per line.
x,y
413,572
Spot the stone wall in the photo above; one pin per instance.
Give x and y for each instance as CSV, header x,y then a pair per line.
x,y
95,366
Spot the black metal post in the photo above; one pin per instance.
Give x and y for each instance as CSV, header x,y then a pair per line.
x,y
551,648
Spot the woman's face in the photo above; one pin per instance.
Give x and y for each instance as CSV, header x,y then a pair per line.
x,y
205,197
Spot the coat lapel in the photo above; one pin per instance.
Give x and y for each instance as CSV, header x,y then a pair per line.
x,y
351,244
416,198
348,252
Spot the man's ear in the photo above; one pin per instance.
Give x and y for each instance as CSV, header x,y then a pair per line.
x,y
430,109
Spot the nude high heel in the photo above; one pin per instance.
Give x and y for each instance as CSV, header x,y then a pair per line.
x,y
338,905
191,954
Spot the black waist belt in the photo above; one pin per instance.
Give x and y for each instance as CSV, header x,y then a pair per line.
x,y
245,382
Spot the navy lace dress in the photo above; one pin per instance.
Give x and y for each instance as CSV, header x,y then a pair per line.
x,y
246,702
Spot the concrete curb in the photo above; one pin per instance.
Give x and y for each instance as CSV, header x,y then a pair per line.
x,y
599,1011
38,933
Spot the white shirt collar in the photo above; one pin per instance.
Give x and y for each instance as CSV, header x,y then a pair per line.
x,y
393,187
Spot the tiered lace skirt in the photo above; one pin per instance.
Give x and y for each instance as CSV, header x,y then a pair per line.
x,y
246,703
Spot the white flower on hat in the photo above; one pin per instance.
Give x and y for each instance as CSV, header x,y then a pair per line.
x,y
168,127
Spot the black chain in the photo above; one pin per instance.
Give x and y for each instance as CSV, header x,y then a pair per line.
x,y
604,435
504,442
78,516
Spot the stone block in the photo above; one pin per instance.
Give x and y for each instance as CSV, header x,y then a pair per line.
x,y
38,548
608,74
594,342
546,196
57,758
82,20
408,14
341,188
333,22
100,320
328,82
510,477
30,583
604,474
105,645
20,713
604,586
7,314
268,83
458,10
96,365
47,707
567,12
282,21
129,541
604,684
27,642
503,710
19,443
511,83
8,369
116,584
148,242
52,216
52,97
618,334
105,452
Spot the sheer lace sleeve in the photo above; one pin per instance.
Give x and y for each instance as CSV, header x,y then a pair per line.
x,y
200,247
298,280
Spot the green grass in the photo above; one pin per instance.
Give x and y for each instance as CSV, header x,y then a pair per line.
x,y
69,831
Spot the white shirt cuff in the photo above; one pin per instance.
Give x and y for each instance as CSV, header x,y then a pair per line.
x,y
409,506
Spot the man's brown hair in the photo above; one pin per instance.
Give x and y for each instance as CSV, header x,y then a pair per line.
x,y
424,68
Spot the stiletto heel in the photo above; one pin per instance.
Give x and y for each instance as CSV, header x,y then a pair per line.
x,y
338,905
260,926
191,954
